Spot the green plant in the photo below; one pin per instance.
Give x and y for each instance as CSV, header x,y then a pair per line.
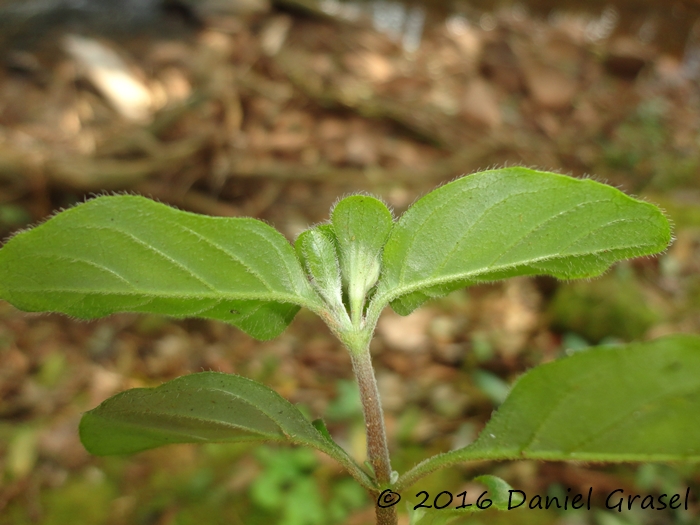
x,y
126,253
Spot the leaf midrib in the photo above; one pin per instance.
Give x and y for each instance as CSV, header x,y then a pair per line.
x,y
525,236
215,422
219,296
386,296
227,424
583,235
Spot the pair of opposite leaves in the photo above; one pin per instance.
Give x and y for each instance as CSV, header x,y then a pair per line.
x,y
130,254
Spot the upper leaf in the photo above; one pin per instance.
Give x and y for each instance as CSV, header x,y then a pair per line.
x,y
202,408
130,254
509,222
316,249
639,402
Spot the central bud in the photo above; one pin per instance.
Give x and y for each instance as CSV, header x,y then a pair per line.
x,y
344,257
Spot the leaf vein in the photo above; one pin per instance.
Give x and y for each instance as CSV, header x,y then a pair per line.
x,y
475,223
155,250
394,293
539,226
436,209
290,279
94,264
233,256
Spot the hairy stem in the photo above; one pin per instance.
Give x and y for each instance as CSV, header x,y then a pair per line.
x,y
377,449
386,516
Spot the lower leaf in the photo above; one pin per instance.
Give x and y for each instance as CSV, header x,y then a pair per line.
x,y
202,408
639,402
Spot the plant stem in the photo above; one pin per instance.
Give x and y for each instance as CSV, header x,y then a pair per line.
x,y
377,449
386,516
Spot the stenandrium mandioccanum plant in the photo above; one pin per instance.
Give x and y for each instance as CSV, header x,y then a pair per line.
x,y
129,254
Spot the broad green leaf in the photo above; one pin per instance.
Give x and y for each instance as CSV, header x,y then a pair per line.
x,y
639,402
316,249
130,254
509,222
202,408
362,225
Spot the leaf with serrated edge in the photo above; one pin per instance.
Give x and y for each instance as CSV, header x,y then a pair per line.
x,y
202,408
130,254
639,402
509,222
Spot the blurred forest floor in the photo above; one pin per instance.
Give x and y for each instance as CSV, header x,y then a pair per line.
x,y
275,112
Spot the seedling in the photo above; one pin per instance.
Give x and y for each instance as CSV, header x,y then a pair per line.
x,y
130,254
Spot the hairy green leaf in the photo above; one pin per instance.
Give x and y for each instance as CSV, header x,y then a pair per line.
x,y
362,225
639,402
509,222
202,408
317,251
130,254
